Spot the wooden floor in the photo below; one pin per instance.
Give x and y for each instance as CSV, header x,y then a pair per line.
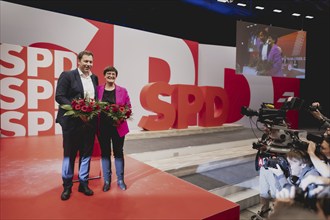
x,y
31,185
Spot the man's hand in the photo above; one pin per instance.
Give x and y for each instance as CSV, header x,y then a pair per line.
x,y
317,114
311,147
277,171
316,104
318,180
286,195
84,118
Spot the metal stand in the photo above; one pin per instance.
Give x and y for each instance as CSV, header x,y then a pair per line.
x,y
259,215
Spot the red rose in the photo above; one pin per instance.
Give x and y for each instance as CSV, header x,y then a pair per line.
x,y
77,107
89,109
81,101
122,109
115,109
84,108
74,103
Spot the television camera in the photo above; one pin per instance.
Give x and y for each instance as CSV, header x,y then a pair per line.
x,y
277,139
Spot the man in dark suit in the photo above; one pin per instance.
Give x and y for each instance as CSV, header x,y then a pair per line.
x,y
78,133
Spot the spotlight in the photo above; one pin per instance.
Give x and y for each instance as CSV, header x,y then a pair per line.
x,y
225,1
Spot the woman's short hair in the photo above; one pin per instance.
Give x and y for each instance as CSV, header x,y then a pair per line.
x,y
110,69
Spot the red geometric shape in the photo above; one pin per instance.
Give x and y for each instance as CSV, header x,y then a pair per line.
x,y
159,70
238,91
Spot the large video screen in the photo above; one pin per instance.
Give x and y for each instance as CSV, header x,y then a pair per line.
x,y
265,50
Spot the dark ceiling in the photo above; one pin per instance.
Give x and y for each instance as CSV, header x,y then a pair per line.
x,y
204,21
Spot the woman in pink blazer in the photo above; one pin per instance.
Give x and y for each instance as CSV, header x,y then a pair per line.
x,y
110,134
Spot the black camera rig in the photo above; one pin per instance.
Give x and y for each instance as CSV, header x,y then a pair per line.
x,y
277,139
267,114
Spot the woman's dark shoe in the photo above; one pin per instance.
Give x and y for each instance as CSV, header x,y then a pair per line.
x,y
122,184
106,186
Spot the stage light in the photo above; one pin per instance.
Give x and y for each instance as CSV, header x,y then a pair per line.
x,y
309,17
259,7
296,14
241,4
225,1
277,10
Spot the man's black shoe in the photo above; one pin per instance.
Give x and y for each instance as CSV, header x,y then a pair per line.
x,y
84,189
66,194
106,186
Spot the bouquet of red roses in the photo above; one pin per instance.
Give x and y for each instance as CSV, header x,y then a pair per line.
x,y
118,113
85,108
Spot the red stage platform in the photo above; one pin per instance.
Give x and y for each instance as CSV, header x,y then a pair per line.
x,y
31,185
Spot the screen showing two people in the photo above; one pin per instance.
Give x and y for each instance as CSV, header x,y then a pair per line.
x,y
264,50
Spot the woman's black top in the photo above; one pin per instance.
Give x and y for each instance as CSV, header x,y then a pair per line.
x,y
110,97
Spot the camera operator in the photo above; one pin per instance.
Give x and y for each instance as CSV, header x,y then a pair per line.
x,y
322,166
314,110
302,172
312,199
300,167
268,183
283,159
